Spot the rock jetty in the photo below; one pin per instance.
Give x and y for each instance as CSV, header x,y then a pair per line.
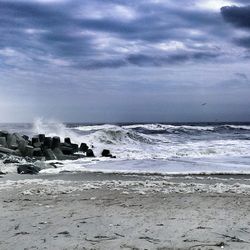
x,y
14,146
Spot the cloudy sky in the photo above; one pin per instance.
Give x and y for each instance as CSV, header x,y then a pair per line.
x,y
125,60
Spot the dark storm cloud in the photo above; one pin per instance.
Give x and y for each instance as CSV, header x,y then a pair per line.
x,y
65,30
243,42
145,60
238,16
103,64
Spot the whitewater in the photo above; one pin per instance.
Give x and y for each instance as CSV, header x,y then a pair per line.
x,y
152,148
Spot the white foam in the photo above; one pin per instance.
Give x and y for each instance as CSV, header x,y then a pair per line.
x,y
162,127
57,187
246,127
95,127
183,166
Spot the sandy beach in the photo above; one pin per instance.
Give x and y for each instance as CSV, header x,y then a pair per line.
x,y
124,125
117,211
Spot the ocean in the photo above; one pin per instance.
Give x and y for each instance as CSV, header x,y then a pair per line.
x,y
152,148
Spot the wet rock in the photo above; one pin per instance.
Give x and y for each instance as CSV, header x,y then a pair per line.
x,y
67,149
7,151
106,153
28,151
12,142
4,134
9,160
41,147
28,169
60,156
90,153
22,147
18,153
3,142
34,140
54,164
67,140
49,155
55,142
41,137
37,152
83,147
58,153
47,142
21,142
75,147
19,138
25,137
37,145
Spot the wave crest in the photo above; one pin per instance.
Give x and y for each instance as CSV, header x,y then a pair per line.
x,y
155,141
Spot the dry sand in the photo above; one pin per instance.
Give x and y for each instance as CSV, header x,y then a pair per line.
x,y
115,211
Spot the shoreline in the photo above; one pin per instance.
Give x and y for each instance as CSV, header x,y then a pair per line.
x,y
84,173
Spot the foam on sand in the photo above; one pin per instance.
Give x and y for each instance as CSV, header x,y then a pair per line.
x,y
56,187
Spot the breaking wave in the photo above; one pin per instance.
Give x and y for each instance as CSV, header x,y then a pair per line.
x,y
162,128
155,141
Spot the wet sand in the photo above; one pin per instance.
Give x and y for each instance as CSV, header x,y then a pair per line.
x,y
116,211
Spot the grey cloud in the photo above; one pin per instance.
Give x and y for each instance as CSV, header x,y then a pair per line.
x,y
103,64
150,59
241,76
56,30
243,42
238,16
143,60
147,60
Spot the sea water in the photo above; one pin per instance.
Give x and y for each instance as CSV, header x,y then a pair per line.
x,y
152,148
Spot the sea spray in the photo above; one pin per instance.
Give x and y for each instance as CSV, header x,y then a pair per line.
x,y
55,128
